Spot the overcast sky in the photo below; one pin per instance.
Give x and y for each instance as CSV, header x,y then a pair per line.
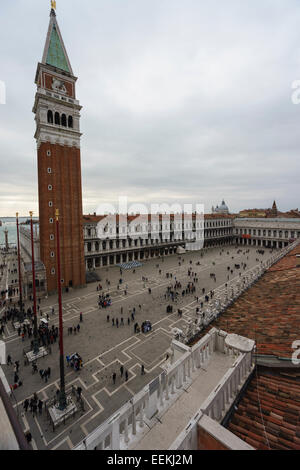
x,y
184,101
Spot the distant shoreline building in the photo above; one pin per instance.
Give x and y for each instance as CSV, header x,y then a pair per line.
x,y
270,213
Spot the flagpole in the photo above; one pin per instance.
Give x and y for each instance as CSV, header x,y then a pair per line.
x,y
20,275
62,395
35,329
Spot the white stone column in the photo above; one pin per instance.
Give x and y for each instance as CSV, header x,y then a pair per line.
x,y
198,358
115,435
161,393
189,367
167,388
222,401
141,415
235,384
184,372
180,375
173,384
211,346
133,422
126,430
227,394
193,362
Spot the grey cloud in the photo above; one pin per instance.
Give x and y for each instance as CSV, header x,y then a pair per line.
x,y
188,100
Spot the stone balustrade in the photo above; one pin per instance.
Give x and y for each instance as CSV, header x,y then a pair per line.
x,y
219,401
128,424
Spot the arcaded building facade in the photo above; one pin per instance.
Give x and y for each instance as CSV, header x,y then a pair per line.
x,y
191,234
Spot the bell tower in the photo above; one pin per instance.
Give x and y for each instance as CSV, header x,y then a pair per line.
x,y
57,116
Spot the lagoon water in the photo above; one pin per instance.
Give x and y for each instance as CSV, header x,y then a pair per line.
x,y
10,224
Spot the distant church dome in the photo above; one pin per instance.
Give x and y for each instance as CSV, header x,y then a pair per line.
x,y
222,209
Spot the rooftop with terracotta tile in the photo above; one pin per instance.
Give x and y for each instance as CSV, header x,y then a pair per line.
x,y
269,312
268,415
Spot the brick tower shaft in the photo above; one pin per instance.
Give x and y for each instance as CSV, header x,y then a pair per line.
x,y
57,116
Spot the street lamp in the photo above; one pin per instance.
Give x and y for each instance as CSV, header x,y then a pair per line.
x,y
62,396
35,329
20,275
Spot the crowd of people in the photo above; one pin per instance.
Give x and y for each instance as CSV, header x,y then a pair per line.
x,y
33,404
104,301
175,292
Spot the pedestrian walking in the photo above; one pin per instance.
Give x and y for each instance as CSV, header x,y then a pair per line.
x,y
79,390
34,409
114,377
126,376
143,370
25,405
121,371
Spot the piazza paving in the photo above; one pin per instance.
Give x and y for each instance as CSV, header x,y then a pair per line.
x,y
105,348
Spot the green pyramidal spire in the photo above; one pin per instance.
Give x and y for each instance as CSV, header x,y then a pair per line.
x,y
56,55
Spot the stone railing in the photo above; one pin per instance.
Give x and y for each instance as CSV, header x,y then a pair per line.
x,y
127,425
218,402
131,422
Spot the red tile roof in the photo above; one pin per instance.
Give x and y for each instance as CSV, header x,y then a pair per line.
x,y
97,218
269,312
268,415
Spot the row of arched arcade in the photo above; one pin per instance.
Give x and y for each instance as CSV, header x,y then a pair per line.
x,y
262,243
60,119
93,262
